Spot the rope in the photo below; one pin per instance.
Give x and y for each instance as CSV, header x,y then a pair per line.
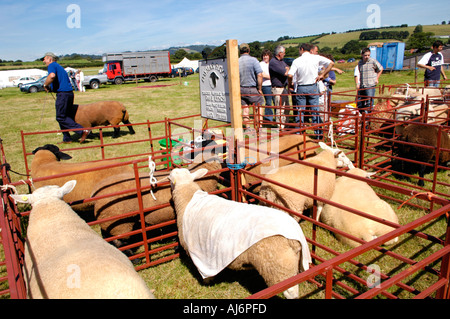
x,y
430,195
153,181
236,167
331,135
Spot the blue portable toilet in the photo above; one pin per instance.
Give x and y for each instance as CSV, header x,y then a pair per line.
x,y
392,56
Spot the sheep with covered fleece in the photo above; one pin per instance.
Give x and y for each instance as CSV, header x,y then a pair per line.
x,y
66,259
103,113
301,177
159,195
218,233
47,162
358,195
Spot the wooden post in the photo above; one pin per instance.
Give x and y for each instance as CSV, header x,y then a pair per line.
x,y
235,93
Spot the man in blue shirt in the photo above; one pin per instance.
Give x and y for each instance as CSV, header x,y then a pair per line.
x,y
58,81
251,77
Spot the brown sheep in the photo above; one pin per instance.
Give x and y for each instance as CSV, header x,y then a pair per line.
x,y
46,162
425,135
103,113
121,204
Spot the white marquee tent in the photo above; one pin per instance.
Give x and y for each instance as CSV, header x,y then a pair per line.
x,y
7,77
187,63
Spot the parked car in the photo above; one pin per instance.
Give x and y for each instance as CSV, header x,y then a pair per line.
x,y
34,87
189,70
23,80
288,61
341,61
94,81
351,60
176,72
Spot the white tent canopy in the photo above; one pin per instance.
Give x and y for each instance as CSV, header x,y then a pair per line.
x,y
187,63
7,77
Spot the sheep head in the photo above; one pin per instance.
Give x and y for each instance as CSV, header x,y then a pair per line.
x,y
45,192
341,159
180,176
55,150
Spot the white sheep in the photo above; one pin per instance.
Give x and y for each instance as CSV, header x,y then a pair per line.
x,y
65,258
47,162
301,177
219,233
358,195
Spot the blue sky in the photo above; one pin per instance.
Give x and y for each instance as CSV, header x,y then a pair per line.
x,y
29,28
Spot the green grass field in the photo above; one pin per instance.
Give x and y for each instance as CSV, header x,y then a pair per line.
x,y
179,278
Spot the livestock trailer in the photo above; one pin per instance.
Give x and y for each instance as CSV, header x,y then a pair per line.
x,y
130,66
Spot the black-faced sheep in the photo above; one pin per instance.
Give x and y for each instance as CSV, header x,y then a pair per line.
x,y
47,162
219,233
126,203
103,113
423,135
65,258
358,195
301,177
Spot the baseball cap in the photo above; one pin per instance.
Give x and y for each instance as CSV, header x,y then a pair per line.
x,y
51,54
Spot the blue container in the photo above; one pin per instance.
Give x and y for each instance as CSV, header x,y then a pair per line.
x,y
390,55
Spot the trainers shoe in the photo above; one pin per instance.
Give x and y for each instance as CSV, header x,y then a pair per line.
x,y
84,135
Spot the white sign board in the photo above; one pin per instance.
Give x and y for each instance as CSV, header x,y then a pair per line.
x,y
214,92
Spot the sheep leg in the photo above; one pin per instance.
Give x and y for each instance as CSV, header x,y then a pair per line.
x,y
130,128
116,132
422,169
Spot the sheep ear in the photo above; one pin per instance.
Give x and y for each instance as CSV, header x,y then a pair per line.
x,y
67,187
199,173
324,146
369,175
26,199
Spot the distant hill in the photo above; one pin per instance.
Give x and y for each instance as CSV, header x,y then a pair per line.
x,y
338,40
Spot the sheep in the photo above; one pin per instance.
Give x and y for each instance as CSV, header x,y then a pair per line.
x,y
47,162
218,233
358,195
286,144
121,204
65,258
103,113
301,177
424,135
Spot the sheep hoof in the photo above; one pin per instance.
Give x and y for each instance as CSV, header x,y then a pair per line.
x,y
208,281
291,293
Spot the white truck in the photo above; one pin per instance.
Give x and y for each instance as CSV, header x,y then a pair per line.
x,y
94,81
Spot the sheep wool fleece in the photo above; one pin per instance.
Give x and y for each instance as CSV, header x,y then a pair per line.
x,y
216,232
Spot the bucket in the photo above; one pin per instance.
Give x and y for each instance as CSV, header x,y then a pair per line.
x,y
176,159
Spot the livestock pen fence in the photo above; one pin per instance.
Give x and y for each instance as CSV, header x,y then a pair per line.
x,y
417,266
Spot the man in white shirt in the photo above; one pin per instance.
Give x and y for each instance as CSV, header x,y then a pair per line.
x,y
305,69
432,63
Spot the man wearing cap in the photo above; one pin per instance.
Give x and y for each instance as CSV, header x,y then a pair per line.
x,y
58,81
251,77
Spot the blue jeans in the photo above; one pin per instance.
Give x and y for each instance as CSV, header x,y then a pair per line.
x,y
365,99
308,95
432,83
268,112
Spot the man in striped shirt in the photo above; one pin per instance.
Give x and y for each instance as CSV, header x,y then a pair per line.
x,y
367,74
